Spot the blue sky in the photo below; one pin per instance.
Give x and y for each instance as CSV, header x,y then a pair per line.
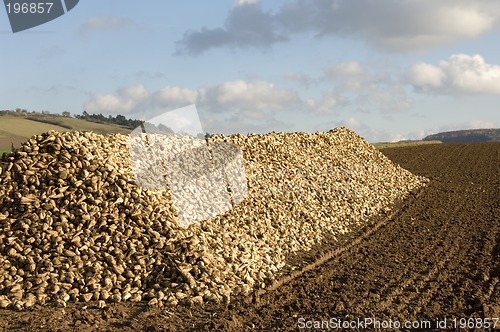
x,y
388,69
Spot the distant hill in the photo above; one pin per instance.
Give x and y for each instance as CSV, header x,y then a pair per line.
x,y
470,135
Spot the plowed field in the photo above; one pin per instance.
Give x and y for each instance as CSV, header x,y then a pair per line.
x,y
436,257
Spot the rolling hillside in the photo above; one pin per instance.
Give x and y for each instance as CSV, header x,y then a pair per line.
x,y
16,129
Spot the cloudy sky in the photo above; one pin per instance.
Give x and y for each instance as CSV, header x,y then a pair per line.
x,y
388,69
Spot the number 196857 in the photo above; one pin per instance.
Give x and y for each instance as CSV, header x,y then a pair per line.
x,y
29,8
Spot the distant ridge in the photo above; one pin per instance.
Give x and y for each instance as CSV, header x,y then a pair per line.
x,y
470,135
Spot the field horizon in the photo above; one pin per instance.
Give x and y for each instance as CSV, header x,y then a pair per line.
x,y
17,128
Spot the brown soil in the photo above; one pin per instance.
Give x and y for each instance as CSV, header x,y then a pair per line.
x,y
7,142
437,256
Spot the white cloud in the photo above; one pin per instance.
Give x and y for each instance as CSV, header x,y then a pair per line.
x,y
367,88
232,96
459,74
105,23
425,77
327,104
259,95
471,74
393,25
349,68
126,100
173,96
246,2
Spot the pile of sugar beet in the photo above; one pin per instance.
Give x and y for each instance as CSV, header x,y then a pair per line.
x,y
75,226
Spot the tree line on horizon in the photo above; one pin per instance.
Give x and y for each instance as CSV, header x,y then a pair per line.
x,y
118,119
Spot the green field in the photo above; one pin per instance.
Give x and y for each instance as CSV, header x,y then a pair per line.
x,y
17,129
385,145
17,126
2,150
